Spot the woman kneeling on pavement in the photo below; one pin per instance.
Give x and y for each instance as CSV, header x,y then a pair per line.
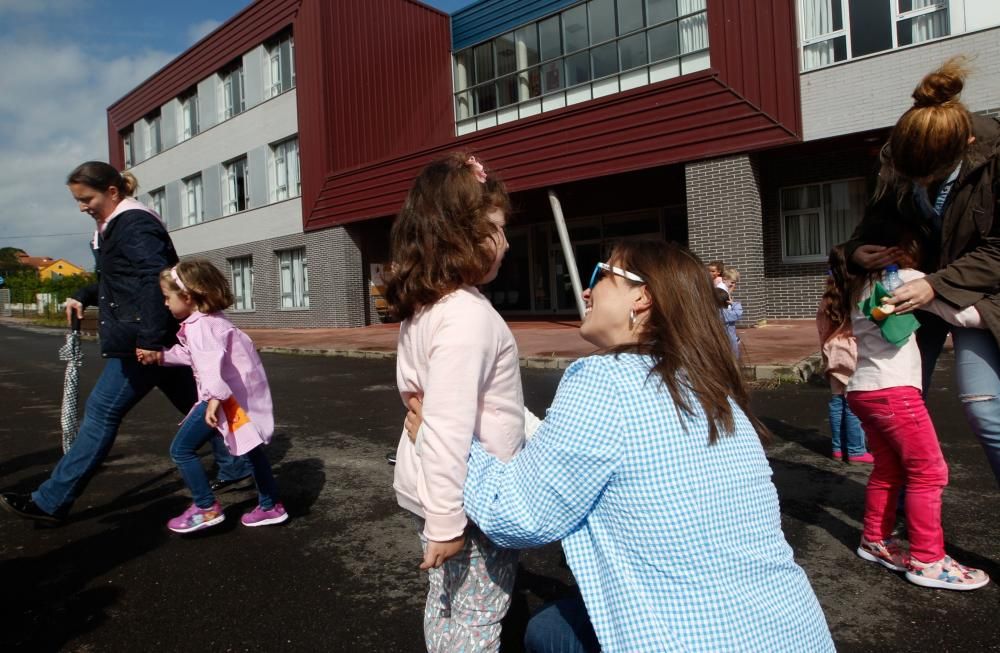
x,y
649,468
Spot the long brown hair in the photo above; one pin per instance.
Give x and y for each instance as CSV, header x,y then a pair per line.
x,y
836,301
932,136
684,334
442,239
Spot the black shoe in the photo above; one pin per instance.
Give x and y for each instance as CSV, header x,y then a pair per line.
x,y
23,506
391,458
219,484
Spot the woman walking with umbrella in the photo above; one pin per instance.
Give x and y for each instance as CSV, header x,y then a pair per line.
x,y
131,246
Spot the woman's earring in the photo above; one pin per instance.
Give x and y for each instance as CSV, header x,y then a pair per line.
x,y
631,319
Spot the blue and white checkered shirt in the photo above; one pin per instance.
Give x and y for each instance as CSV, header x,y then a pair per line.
x,y
676,545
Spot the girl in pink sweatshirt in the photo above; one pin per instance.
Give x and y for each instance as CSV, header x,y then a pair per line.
x,y
234,399
457,353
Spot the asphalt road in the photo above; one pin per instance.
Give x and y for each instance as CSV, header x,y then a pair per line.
x,y
342,574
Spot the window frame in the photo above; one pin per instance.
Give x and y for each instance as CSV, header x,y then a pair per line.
x,y
158,200
274,49
189,124
128,147
193,190
245,268
231,177
297,300
823,226
279,155
228,104
896,16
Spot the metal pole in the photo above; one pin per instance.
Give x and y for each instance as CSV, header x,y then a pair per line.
x,y
574,275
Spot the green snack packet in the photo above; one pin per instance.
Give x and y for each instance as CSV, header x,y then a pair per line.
x,y
896,329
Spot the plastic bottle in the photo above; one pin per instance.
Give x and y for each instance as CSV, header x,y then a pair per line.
x,y
890,278
890,281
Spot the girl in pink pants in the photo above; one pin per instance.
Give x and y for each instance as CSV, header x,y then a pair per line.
x,y
885,395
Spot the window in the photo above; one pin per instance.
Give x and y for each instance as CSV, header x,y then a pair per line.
x,y
280,70
158,200
233,101
194,208
242,279
837,30
816,217
128,144
294,276
189,115
588,42
154,144
237,186
285,178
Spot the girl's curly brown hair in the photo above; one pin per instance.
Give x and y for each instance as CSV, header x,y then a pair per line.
x,y
442,239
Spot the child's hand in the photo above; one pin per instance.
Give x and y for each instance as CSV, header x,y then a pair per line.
x,y
438,552
211,413
414,418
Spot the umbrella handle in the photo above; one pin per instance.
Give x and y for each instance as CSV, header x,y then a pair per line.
x,y
75,322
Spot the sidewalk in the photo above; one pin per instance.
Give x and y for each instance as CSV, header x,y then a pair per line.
x,y
781,349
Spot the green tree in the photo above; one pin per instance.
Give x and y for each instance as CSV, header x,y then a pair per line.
x,y
9,263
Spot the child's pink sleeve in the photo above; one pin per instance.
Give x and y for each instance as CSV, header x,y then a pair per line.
x,y
208,351
177,356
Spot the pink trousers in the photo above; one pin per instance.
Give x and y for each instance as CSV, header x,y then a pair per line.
x,y
902,439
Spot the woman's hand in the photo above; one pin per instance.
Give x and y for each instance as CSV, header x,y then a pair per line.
x,y
437,552
73,306
149,357
875,257
911,296
211,413
414,418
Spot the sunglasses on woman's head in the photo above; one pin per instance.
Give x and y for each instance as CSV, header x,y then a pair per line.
x,y
603,268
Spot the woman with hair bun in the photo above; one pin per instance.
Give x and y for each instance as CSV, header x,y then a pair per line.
x,y
939,182
130,246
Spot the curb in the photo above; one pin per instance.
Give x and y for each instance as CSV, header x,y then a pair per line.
x,y
531,362
799,372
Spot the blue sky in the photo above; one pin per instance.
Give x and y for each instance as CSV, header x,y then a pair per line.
x,y
65,62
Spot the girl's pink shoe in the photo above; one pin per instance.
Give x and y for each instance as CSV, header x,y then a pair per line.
x,y
838,455
865,458
260,517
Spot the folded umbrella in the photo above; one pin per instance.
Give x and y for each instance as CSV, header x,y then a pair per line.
x,y
72,353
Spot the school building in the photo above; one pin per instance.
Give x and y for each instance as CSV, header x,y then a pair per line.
x,y
281,145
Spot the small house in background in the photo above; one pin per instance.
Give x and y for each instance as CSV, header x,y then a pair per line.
x,y
37,262
58,269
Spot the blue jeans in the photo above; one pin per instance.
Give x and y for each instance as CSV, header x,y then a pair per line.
x,y
231,468
845,427
977,368
122,384
561,627
194,432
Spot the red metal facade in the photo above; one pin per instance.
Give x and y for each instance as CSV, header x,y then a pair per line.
x,y
374,96
747,100
238,35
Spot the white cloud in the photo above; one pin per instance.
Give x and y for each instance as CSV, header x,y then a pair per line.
x,y
200,30
53,109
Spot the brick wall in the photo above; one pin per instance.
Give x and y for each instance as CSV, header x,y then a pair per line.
x,y
724,222
794,289
338,294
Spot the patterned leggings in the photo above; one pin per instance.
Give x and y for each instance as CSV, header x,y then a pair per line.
x,y
469,596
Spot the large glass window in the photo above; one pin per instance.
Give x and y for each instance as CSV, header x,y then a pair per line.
x,y
816,217
294,277
233,100
154,141
280,70
194,207
584,43
285,162
237,186
837,30
128,145
241,270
